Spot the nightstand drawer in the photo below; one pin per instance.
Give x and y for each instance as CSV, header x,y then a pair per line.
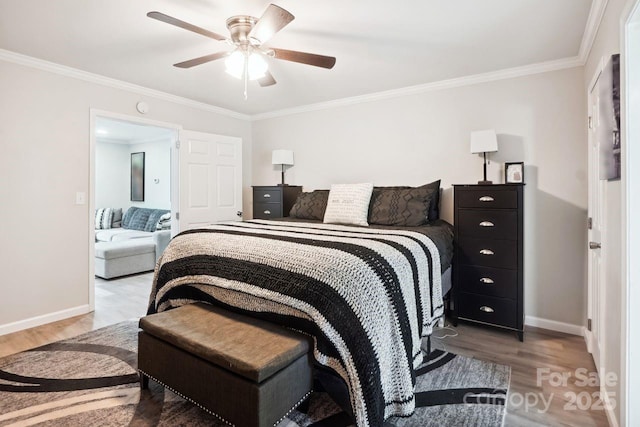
x,y
497,311
267,210
488,252
494,224
495,282
487,198
263,195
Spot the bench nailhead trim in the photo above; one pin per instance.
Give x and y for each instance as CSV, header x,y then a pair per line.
x,y
141,372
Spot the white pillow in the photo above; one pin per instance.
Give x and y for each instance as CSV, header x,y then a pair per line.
x,y
104,217
348,204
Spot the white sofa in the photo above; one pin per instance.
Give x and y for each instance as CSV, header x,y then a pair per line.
x,y
122,251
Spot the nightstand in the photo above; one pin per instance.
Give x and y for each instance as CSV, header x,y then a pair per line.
x,y
489,256
274,201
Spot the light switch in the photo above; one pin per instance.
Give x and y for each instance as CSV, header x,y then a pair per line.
x,y
81,198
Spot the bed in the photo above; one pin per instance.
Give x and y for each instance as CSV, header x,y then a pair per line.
x,y
367,295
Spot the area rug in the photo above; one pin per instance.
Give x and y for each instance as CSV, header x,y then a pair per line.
x,y
91,380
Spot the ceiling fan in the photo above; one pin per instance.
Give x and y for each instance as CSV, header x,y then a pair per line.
x,y
248,36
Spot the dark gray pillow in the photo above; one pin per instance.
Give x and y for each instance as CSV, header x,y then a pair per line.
x,y
434,205
401,206
310,205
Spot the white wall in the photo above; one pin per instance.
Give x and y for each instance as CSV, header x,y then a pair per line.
x,y
540,119
112,175
157,160
607,43
44,137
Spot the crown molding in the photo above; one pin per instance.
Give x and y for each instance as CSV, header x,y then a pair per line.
x,y
542,67
596,14
63,70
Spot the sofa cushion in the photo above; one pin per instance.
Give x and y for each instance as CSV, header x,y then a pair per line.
x,y
113,250
119,234
142,219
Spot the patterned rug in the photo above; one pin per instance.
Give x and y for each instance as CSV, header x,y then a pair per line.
x,y
91,380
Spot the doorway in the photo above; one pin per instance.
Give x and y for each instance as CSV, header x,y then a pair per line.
x,y
118,138
205,179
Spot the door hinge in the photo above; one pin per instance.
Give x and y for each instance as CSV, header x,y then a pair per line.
x,y
590,123
178,143
588,324
590,223
177,215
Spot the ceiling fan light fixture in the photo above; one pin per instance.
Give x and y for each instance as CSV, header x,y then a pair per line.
x,y
256,67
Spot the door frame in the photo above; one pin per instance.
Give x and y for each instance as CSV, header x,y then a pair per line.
x,y
175,185
630,107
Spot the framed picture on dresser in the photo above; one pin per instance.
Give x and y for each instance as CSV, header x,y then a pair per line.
x,y
514,173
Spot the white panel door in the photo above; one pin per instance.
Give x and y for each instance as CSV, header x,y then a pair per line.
x,y
210,179
596,212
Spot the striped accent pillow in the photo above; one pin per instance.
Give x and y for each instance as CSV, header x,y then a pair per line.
x,y
104,217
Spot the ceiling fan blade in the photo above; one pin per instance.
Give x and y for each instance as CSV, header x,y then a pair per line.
x,y
272,20
178,23
203,59
267,80
304,58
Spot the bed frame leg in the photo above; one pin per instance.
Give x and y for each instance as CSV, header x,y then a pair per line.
x,y
428,345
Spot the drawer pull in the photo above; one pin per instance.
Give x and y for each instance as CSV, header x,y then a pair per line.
x,y
487,224
267,212
267,195
487,281
486,309
486,199
486,252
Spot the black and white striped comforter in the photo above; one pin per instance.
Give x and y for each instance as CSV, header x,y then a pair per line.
x,y
367,296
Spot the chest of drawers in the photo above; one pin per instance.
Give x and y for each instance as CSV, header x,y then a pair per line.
x,y
274,201
489,257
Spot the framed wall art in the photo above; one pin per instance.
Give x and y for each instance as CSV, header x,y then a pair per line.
x,y
137,177
514,173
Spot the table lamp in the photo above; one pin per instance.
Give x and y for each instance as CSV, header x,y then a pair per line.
x,y
282,158
484,141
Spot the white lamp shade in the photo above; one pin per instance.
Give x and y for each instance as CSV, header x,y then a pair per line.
x,y
484,141
282,157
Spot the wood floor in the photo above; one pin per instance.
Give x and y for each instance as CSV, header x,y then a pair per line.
x,y
554,353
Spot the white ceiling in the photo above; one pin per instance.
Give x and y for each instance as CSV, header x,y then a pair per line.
x,y
379,45
123,132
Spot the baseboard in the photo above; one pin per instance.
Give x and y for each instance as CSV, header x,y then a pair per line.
x,y
45,318
552,325
609,407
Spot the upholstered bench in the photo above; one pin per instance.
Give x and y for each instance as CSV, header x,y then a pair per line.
x,y
114,259
247,372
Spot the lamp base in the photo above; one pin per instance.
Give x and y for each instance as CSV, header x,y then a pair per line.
x,y
283,185
485,182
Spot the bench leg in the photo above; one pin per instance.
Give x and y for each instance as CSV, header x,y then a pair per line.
x,y
144,381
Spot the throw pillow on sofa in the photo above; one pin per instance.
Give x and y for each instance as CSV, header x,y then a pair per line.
x,y
104,217
142,219
116,222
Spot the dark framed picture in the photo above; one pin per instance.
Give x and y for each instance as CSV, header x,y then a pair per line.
x,y
514,173
137,177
